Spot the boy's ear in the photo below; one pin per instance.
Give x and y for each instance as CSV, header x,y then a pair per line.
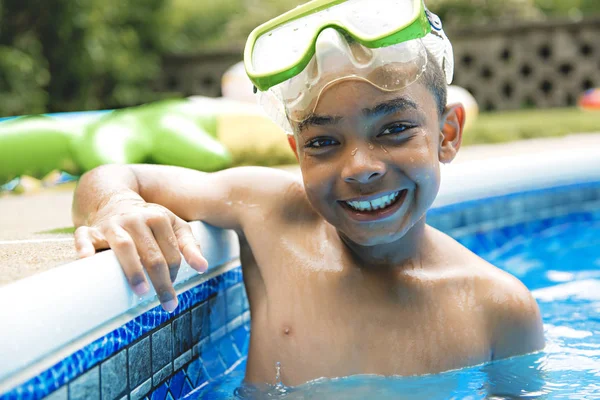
x,y
452,125
293,146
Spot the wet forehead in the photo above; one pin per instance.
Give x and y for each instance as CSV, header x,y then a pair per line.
x,y
386,107
361,99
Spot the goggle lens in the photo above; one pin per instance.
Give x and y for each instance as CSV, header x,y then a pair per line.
x,y
287,44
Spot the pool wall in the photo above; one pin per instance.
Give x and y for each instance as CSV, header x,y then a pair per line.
x,y
79,332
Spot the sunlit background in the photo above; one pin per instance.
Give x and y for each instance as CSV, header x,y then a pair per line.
x,y
72,55
523,68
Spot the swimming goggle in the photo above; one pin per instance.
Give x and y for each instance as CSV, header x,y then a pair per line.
x,y
293,58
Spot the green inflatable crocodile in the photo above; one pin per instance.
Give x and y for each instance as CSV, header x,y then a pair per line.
x,y
174,132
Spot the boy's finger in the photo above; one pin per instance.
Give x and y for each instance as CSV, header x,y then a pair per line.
x,y
125,250
166,240
88,240
189,248
153,260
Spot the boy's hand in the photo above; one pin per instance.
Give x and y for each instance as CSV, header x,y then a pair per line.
x,y
143,235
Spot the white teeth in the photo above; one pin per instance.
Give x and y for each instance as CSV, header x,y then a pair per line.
x,y
376,204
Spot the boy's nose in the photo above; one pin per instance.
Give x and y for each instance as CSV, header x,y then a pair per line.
x,y
363,168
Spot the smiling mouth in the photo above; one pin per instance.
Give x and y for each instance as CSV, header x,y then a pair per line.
x,y
377,205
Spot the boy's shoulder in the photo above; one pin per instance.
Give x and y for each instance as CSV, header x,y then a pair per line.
x,y
274,191
471,265
512,314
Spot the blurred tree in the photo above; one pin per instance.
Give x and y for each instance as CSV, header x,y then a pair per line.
x,y
122,45
460,12
24,71
208,24
196,24
571,8
63,55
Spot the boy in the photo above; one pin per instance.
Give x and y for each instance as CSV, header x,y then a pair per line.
x,y
342,273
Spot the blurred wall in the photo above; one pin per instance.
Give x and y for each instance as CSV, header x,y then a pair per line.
x,y
542,64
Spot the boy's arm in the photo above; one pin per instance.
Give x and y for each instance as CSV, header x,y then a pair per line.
x,y
515,319
140,211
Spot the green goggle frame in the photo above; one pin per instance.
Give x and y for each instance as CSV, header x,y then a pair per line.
x,y
415,29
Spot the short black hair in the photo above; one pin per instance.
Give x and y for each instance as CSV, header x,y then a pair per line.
x,y
434,80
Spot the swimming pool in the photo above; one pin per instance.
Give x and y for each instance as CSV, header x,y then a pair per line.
x,y
529,215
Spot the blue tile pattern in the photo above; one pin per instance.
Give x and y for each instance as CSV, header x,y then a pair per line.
x,y
140,362
99,350
196,375
518,234
161,392
506,210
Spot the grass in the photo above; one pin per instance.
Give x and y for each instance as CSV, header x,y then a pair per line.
x,y
501,127
279,154
70,229
489,128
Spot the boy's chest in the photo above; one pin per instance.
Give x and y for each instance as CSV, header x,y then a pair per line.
x,y
318,326
317,320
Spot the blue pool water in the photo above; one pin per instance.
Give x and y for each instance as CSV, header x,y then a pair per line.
x,y
559,260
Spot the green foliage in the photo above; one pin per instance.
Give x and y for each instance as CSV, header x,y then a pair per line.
x,y
459,12
66,55
194,24
208,24
78,55
572,8
23,76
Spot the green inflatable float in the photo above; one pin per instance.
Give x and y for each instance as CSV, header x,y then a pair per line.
x,y
34,146
175,132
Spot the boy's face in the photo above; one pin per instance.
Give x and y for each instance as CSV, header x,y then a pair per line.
x,y
370,159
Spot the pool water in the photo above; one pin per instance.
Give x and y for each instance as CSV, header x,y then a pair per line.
x,y
559,260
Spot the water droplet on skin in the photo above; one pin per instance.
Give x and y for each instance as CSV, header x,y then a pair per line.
x,y
371,146
354,152
279,386
278,372
384,149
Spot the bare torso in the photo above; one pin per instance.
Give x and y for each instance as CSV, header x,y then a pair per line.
x,y
319,314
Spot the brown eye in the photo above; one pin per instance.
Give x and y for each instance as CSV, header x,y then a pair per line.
x,y
395,129
320,143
